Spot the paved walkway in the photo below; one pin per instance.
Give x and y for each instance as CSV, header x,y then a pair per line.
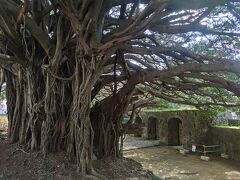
x,y
131,142
167,163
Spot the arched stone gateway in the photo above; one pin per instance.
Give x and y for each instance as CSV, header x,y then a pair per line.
x,y
152,128
175,132
189,125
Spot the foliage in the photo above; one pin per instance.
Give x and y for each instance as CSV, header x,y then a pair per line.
x,y
161,103
207,116
2,96
2,136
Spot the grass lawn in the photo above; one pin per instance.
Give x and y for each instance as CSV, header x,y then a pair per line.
x,y
170,109
231,127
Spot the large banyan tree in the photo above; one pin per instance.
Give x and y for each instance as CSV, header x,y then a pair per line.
x,y
73,68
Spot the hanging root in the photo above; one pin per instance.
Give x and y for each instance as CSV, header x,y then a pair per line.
x,y
23,11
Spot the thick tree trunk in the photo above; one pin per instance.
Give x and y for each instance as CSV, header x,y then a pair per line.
x,y
25,114
106,118
48,113
81,132
106,131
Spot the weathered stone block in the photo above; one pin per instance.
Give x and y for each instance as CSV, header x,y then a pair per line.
x,y
224,156
205,158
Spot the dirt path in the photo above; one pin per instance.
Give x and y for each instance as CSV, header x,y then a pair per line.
x,y
168,163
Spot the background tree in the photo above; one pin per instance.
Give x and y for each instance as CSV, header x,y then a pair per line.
x,y
73,67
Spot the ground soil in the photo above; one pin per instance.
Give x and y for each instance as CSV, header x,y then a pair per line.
x,y
167,163
15,163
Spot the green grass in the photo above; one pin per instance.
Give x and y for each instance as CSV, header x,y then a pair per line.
x,y
170,110
156,178
230,127
3,127
2,136
46,164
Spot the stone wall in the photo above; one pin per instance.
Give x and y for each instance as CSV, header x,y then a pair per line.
x,y
195,124
227,138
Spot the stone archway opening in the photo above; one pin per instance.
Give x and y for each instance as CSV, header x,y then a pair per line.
x,y
175,130
152,128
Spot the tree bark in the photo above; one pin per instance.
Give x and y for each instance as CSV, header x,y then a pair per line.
x,y
47,113
81,132
106,118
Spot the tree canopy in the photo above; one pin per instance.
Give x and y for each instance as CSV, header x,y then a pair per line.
x,y
74,68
